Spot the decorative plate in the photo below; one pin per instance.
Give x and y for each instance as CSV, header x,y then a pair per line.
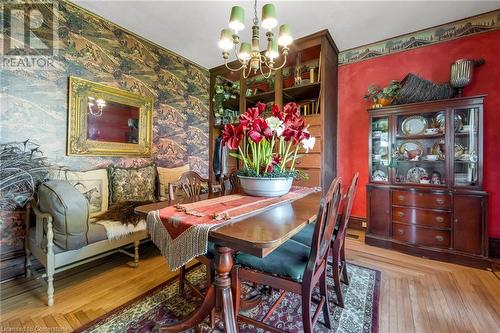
x,y
414,174
459,150
379,176
440,120
414,125
410,146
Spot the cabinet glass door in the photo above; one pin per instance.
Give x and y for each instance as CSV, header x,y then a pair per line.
x,y
419,151
466,146
379,155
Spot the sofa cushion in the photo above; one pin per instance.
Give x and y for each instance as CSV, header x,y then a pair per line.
x,y
70,212
93,184
132,183
169,175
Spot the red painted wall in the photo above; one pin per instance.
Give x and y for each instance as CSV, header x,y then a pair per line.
x,y
432,63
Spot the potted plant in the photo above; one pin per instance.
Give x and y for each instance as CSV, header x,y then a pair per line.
x,y
383,96
224,91
268,148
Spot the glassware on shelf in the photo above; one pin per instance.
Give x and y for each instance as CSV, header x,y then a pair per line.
x,y
466,146
380,150
419,149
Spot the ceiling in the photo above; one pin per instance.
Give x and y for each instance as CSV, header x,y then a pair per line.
x,y
191,28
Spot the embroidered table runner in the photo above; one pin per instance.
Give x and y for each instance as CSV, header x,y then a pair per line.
x,y
181,231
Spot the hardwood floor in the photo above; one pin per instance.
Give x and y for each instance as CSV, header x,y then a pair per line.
x,y
417,295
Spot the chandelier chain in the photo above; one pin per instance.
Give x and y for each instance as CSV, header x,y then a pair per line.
x,y
255,18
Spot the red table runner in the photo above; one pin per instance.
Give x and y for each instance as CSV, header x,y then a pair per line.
x,y
181,231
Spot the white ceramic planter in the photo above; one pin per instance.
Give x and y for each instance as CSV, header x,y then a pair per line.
x,y
265,187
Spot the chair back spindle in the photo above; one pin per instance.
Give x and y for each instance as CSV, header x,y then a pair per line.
x,y
346,214
325,225
191,183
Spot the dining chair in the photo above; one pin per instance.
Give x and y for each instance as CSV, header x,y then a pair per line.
x,y
338,262
231,181
294,267
193,185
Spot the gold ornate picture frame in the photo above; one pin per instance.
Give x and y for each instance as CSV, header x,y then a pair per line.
x,y
108,121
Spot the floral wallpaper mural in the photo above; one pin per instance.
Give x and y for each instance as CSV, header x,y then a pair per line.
x,y
33,103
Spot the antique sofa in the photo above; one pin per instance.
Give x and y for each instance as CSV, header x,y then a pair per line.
x,y
69,232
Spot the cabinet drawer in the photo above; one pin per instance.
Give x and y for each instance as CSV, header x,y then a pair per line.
x,y
420,236
315,130
420,199
439,219
310,160
314,178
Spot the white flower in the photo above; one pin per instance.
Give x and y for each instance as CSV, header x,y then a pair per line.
x,y
308,144
275,125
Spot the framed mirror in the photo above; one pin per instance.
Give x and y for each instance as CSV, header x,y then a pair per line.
x,y
107,121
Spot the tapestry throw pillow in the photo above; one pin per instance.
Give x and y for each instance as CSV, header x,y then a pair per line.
x,y
92,184
132,184
169,175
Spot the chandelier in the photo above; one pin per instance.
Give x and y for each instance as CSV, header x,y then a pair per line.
x,y
96,106
249,55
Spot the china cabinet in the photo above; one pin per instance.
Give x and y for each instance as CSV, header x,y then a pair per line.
x,y
425,193
309,78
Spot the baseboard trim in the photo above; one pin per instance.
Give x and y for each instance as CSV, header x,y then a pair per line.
x,y
494,248
358,223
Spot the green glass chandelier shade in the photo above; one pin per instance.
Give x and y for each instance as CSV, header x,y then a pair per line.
x,y
237,19
269,20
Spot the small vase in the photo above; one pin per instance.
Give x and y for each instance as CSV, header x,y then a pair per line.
x,y
265,187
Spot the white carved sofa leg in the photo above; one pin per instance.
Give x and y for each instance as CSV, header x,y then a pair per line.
x,y
50,263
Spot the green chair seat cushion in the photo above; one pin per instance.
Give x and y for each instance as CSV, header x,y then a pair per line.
x,y
306,234
288,260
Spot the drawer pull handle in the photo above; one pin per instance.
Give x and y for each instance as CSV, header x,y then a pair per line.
x,y
401,231
401,214
440,201
439,238
401,197
439,219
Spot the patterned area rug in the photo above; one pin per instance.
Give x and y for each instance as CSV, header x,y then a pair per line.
x,y
163,305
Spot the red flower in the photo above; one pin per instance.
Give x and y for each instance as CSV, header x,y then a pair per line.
x,y
255,136
261,107
277,112
231,136
248,117
270,168
288,133
259,125
291,109
277,159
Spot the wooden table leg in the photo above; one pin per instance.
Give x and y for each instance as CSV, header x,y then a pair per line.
x,y
221,287
223,265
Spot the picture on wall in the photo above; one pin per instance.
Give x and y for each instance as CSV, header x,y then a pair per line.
x,y
107,121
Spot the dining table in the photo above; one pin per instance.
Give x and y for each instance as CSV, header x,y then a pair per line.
x,y
257,234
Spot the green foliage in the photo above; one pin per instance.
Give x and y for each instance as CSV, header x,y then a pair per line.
x,y
376,92
22,168
224,91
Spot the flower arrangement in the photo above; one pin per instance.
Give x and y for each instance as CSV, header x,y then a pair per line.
x,y
269,146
